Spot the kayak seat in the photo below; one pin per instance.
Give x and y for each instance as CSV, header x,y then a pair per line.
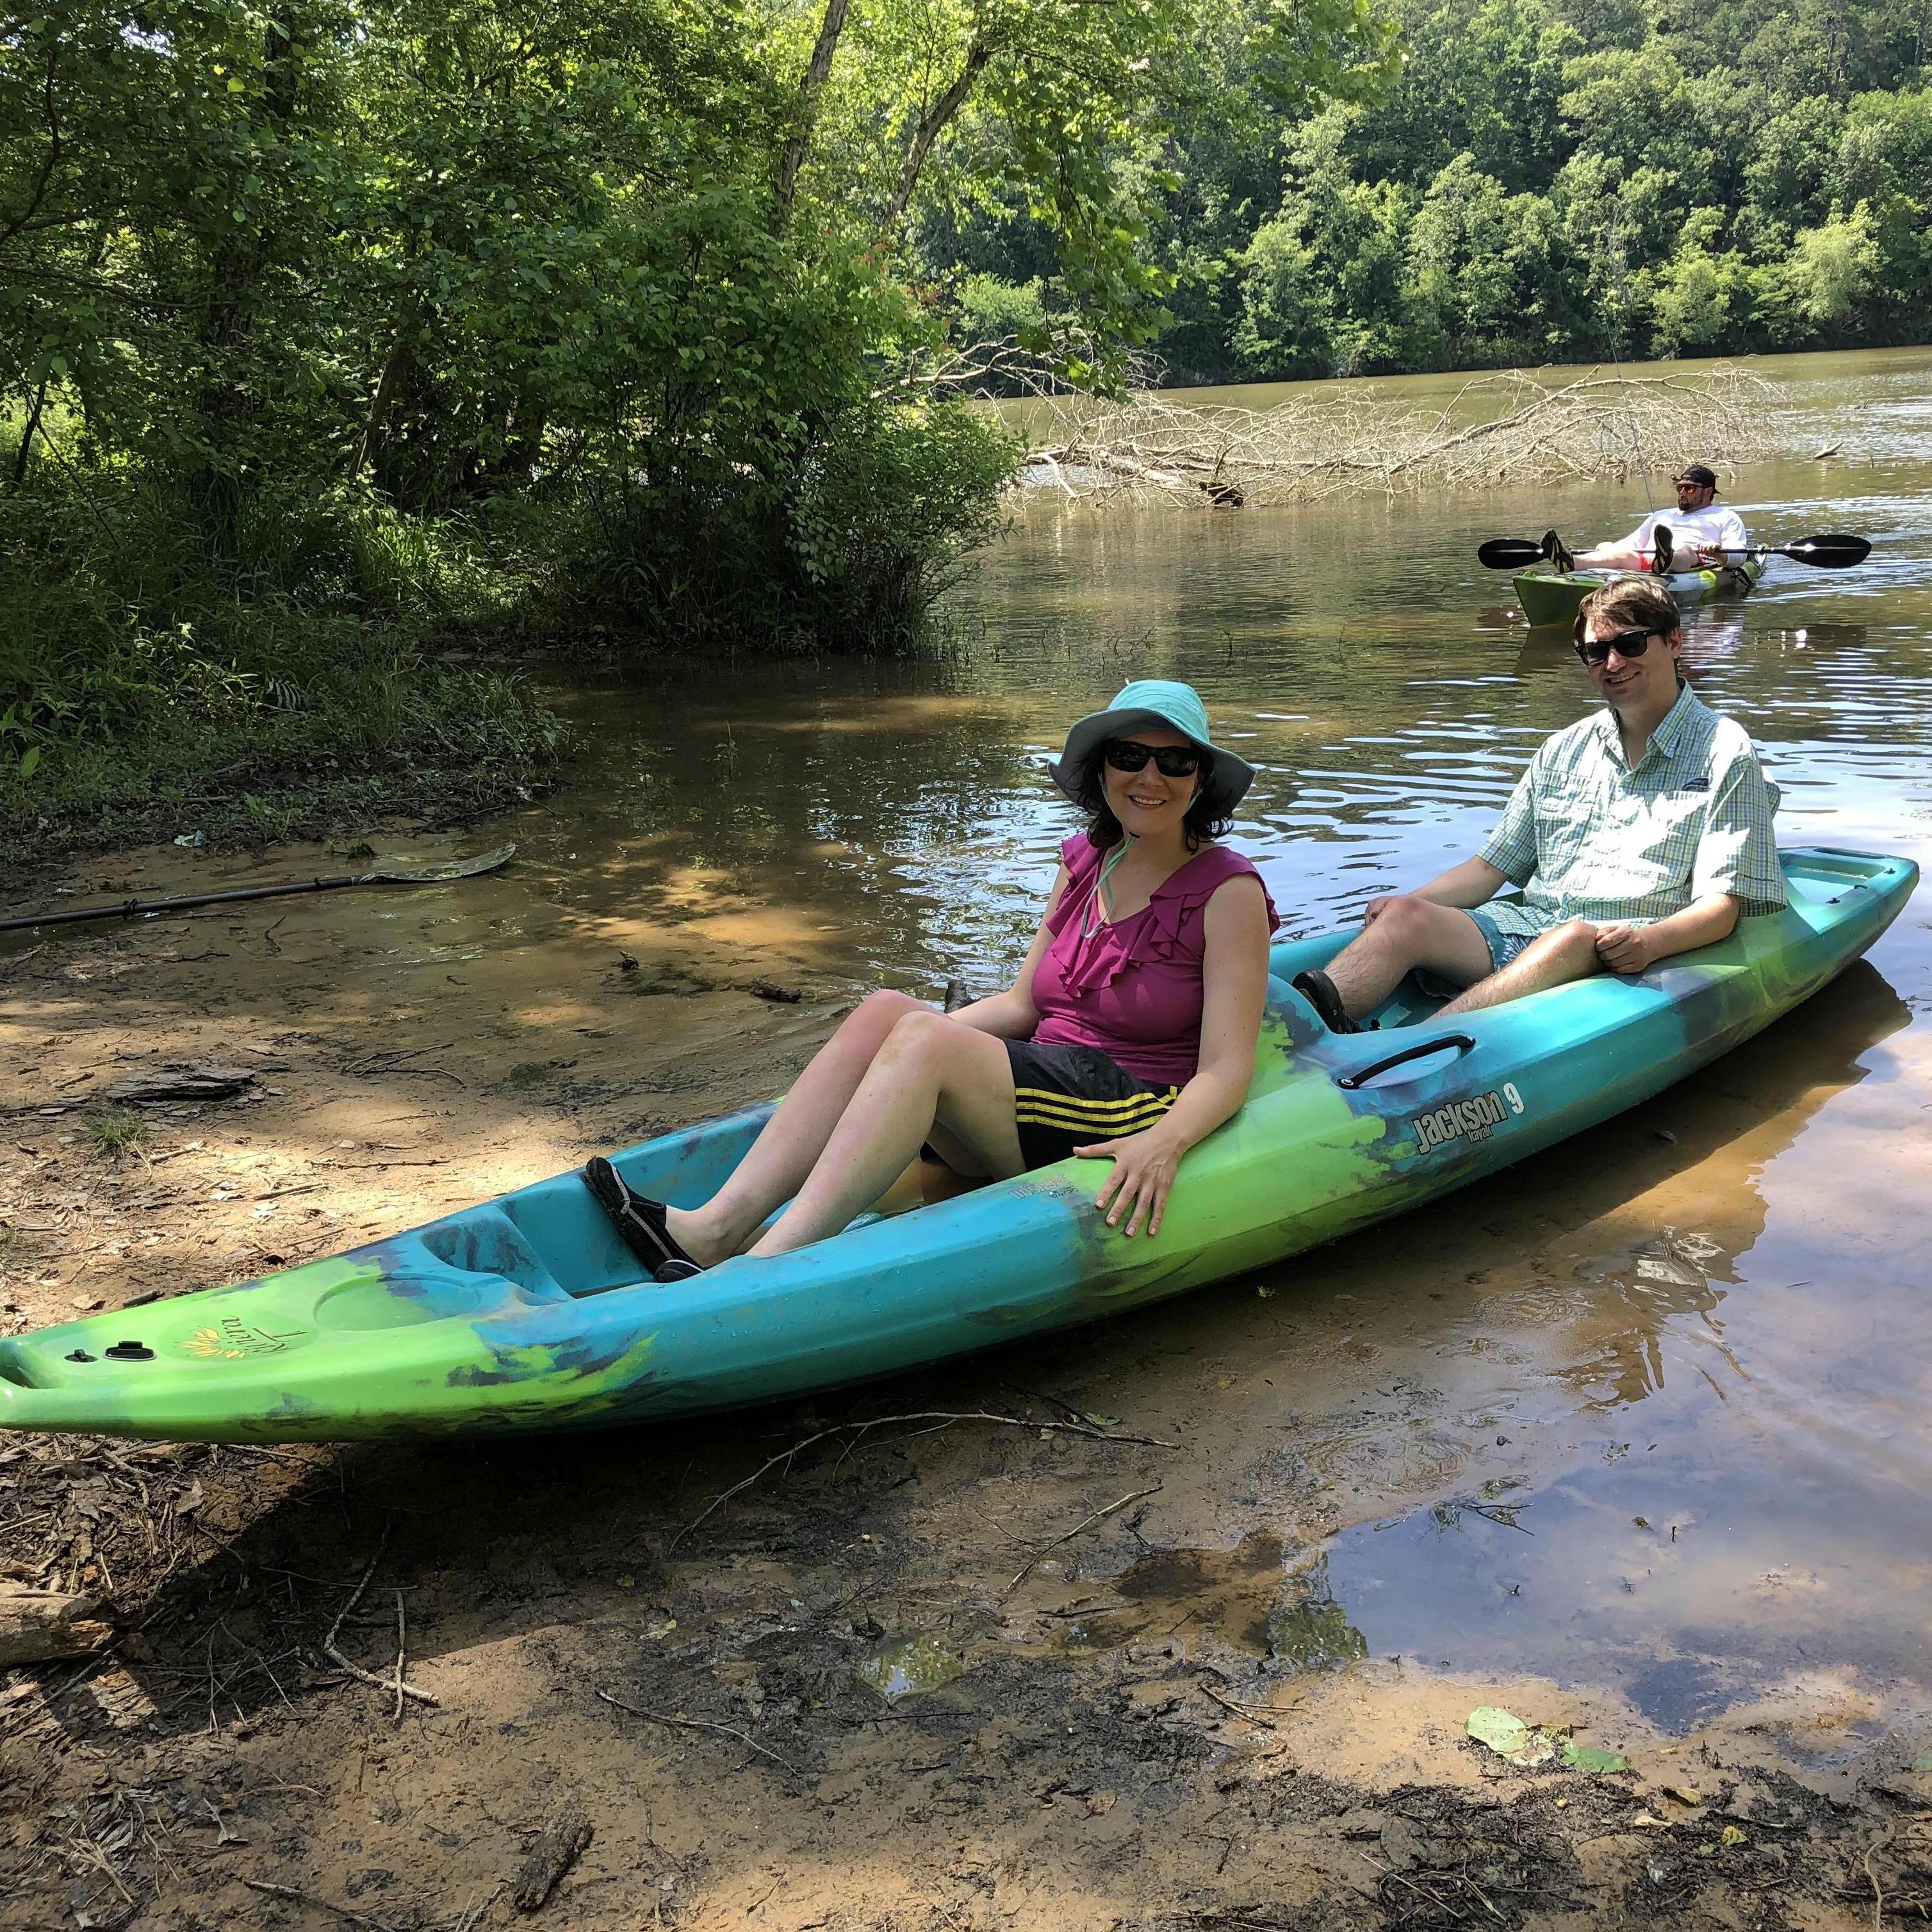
x,y
485,1241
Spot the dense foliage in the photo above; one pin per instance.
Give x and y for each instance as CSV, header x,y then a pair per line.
x,y
1548,180
430,314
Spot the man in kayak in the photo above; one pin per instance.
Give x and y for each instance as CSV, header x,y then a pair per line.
x,y
1701,536
1641,831
1128,1034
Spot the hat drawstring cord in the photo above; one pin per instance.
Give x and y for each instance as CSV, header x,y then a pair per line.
x,y
1098,909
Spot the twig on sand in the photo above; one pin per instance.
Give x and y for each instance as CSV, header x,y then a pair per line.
x,y
703,1724
402,1653
331,1651
858,1429
1877,1845
1249,1713
1026,1569
322,1904
468,1921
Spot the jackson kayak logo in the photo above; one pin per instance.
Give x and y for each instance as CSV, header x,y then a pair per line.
x,y
1472,1120
235,1339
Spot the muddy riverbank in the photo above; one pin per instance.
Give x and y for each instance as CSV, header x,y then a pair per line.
x,y
1630,1440
933,1673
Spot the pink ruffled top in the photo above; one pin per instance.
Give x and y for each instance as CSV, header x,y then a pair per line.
x,y
1132,988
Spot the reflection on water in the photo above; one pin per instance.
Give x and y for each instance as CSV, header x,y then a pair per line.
x,y
1256,1597
908,1665
1735,1399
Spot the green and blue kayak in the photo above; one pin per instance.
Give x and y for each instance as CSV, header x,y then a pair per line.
x,y
1551,596
526,1312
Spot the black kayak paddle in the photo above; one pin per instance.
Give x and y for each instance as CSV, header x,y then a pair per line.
x,y
423,875
1822,553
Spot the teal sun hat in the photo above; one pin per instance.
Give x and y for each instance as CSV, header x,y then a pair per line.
x,y
1152,701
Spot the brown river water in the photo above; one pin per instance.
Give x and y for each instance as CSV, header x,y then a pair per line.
x,y
1635,1436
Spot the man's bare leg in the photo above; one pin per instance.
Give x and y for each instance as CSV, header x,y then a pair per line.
x,y
1407,933
1553,958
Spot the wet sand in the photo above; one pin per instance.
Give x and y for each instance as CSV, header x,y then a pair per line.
x,y
1238,1700
1630,1440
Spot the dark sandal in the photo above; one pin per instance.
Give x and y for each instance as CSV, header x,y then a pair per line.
x,y
639,1222
1319,990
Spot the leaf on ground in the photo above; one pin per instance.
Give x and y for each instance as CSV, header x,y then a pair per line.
x,y
1683,1793
1922,1763
1588,1757
1732,1835
1508,1736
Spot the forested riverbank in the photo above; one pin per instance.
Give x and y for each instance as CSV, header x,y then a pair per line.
x,y
1545,180
351,352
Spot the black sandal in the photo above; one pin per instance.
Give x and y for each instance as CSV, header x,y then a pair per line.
x,y
639,1221
1319,990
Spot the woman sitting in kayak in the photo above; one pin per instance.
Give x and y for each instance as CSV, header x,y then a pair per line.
x,y
1128,1035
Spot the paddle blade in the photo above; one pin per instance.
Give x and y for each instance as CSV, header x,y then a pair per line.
x,y
1829,553
1510,553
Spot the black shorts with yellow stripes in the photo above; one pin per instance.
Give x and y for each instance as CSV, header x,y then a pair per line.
x,y
1068,1096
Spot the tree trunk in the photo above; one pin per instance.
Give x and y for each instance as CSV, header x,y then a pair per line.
x,y
817,73
28,431
932,125
234,285
398,368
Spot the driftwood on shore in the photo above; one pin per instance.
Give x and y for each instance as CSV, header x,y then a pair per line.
x,y
37,1626
1515,427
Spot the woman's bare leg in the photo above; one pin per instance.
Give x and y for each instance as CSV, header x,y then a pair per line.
x,y
931,1069
779,1160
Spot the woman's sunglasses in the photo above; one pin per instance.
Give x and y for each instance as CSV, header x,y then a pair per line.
x,y
1171,761
1625,643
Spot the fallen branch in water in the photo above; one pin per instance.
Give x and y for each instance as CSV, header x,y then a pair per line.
x,y
857,1430
1511,427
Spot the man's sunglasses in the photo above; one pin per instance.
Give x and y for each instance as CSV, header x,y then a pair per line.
x,y
1626,644
1171,761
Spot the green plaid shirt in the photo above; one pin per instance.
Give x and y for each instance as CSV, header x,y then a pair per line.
x,y
1587,837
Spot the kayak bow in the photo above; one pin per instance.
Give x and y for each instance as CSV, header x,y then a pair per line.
x,y
1551,597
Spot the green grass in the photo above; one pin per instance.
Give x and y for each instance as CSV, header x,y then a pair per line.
x,y
304,681
114,1131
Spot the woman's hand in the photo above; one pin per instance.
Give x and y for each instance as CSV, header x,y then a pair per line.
x,y
1144,1165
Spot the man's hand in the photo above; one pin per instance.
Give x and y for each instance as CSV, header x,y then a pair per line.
x,y
1376,908
1628,949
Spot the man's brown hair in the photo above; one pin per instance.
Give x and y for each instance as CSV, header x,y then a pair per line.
x,y
1628,602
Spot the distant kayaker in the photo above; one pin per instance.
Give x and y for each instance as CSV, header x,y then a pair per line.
x,y
1128,1034
1642,831
1702,537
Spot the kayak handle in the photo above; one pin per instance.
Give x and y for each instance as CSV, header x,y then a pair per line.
x,y
1461,1042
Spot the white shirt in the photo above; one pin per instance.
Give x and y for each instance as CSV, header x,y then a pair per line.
x,y
1722,530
